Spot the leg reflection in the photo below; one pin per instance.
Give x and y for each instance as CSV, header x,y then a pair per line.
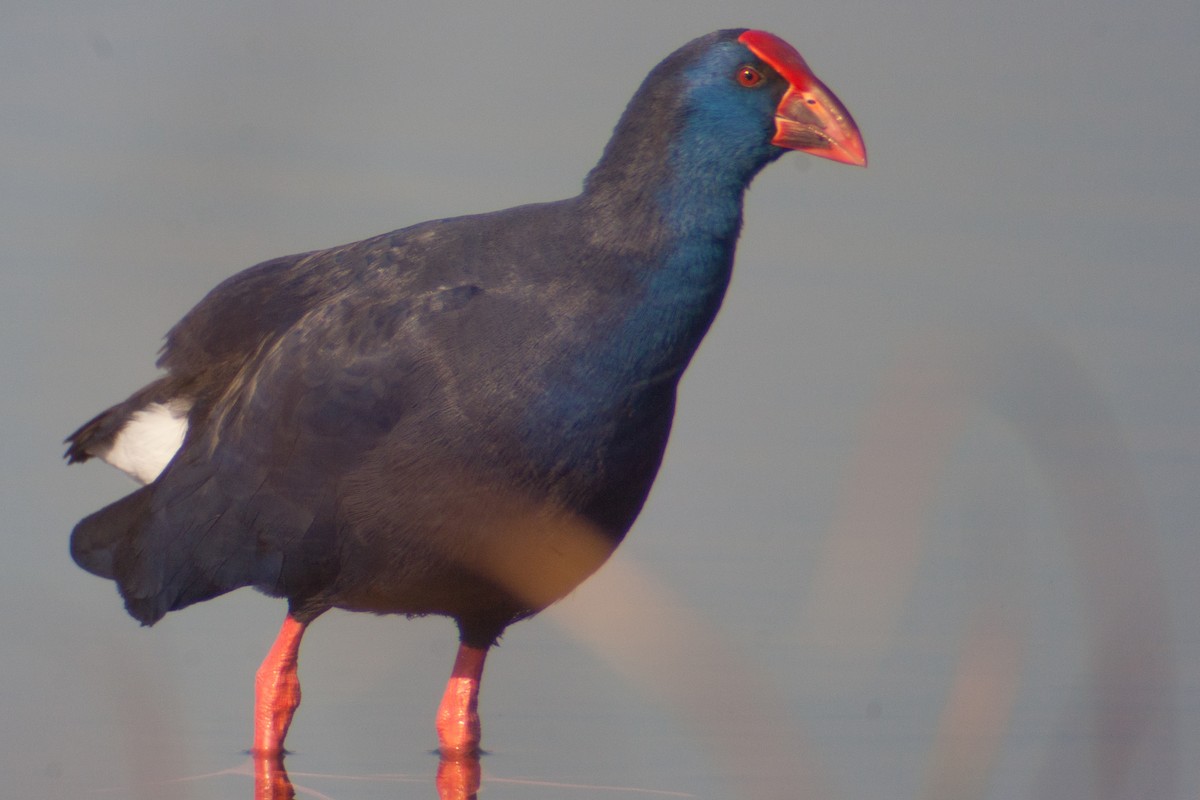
x,y
271,780
458,778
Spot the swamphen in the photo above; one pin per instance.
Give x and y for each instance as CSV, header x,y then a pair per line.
x,y
462,417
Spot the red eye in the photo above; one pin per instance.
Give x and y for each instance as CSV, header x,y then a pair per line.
x,y
749,76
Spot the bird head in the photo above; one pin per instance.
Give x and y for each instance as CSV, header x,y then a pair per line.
x,y
808,116
752,88
706,119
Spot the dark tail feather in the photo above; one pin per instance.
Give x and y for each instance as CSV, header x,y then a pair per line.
x,y
97,537
141,552
111,543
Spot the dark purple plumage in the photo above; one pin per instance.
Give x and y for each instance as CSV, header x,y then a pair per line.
x,y
462,417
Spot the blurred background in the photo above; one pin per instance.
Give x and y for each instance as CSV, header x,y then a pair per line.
x,y
927,525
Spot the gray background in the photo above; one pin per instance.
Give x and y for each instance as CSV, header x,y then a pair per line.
x,y
874,564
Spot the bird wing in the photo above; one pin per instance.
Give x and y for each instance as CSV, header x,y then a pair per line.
x,y
209,346
252,497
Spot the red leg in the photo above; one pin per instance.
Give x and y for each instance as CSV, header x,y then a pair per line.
x,y
277,690
458,715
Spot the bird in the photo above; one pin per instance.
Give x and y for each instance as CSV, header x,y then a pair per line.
x,y
462,417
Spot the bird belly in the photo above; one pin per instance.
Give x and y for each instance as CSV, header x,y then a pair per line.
x,y
495,556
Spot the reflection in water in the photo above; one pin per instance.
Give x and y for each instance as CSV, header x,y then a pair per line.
x,y
271,780
457,779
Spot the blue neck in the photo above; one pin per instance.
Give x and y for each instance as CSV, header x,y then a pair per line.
x,y
678,249
663,208
698,214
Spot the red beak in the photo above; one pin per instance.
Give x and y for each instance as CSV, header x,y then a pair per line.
x,y
809,118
